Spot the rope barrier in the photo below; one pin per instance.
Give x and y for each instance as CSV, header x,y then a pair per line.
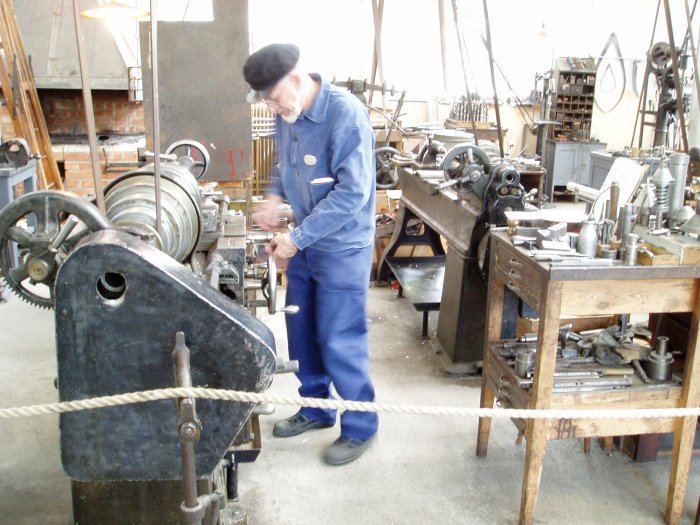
x,y
362,406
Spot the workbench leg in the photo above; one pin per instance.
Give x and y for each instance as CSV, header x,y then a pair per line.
x,y
684,433
494,319
424,332
535,435
487,401
540,398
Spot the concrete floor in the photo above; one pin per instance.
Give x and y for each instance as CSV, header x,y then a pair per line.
x,y
420,469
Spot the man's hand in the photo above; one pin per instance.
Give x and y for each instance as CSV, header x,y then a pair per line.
x,y
268,217
282,246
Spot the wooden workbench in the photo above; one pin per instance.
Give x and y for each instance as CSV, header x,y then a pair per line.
x,y
554,291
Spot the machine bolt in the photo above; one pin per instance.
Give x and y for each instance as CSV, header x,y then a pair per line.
x,y
189,431
38,269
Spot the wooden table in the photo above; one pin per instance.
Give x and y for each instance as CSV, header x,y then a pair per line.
x,y
554,291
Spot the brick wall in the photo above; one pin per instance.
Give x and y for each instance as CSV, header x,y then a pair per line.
x,y
65,115
78,166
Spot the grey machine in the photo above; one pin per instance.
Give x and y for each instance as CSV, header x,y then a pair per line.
x,y
139,307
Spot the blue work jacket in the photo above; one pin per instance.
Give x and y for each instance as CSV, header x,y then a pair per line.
x,y
326,172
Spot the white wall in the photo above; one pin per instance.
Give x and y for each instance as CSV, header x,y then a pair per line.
x,y
336,39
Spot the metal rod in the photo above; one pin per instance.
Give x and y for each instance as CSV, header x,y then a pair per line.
x,y
642,96
676,79
189,476
377,15
689,34
493,79
89,113
443,45
186,411
461,45
156,110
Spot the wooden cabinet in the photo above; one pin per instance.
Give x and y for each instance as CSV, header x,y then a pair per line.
x,y
569,161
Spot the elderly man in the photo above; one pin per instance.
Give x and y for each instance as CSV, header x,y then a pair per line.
x,y
325,171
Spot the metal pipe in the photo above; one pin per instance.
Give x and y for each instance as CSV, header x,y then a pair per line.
x,y
614,201
676,80
493,78
377,16
462,45
443,45
89,113
689,34
678,166
156,108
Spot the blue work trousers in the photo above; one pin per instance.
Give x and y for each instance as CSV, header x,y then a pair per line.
x,y
329,334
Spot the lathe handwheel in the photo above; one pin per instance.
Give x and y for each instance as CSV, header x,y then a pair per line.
x,y
462,156
386,178
42,228
192,155
269,287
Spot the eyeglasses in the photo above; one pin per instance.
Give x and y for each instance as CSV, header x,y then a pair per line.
x,y
273,97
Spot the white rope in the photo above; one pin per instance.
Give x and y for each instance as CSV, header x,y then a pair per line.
x,y
249,397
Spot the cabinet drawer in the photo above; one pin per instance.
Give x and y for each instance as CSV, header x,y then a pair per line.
x,y
503,383
519,274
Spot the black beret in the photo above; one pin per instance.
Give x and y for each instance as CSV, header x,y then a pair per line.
x,y
267,66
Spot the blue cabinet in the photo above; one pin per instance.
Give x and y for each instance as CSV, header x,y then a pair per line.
x,y
568,161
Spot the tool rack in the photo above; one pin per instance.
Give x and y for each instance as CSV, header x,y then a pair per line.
x,y
555,291
572,101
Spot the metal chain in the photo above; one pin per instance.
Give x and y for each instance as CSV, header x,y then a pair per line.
x,y
362,406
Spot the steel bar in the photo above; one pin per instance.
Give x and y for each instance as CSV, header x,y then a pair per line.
x,y
689,33
181,362
156,109
676,79
493,79
89,112
462,45
642,96
443,45
377,15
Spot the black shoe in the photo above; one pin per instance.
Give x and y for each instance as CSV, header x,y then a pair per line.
x,y
344,450
297,424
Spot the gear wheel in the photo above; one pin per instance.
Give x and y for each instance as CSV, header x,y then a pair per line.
x,y
37,232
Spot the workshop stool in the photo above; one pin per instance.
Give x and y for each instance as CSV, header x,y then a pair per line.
x,y
11,177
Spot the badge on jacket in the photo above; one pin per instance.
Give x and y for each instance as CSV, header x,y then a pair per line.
x,y
310,160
